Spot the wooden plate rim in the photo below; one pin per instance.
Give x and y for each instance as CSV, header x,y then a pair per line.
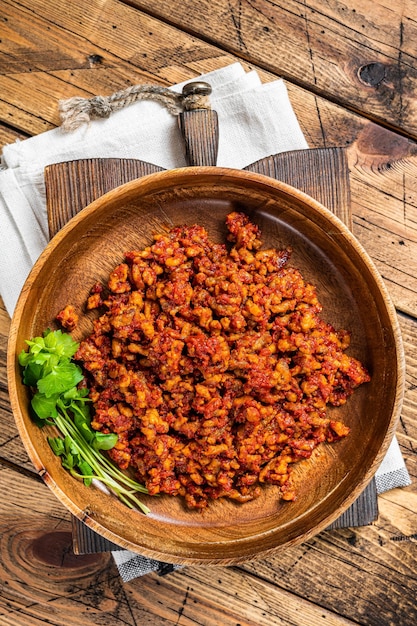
x,y
161,180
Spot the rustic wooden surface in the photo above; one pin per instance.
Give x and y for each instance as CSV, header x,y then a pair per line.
x,y
351,74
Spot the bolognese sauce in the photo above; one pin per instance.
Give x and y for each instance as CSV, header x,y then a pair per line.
x,y
213,365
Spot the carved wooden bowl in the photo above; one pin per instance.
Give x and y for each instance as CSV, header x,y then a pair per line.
x,y
353,297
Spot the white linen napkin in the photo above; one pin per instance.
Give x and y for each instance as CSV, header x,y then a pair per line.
x,y
256,120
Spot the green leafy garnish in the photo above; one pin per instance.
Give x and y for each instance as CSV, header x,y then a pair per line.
x,y
49,370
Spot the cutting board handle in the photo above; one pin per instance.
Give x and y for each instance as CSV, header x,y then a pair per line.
x,y
199,128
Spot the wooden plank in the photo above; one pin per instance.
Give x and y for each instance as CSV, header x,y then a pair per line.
x,y
322,173
90,49
85,54
360,54
240,594
346,559
10,135
384,201
71,186
39,576
43,581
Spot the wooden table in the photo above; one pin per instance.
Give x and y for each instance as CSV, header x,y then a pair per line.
x,y
351,72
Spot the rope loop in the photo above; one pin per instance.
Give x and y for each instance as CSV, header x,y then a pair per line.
x,y
77,111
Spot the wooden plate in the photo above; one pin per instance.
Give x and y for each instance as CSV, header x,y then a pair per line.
x,y
353,296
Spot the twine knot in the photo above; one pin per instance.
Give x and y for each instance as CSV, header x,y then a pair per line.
x,y
101,106
77,111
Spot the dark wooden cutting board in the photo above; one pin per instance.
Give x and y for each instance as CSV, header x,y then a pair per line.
x,y
322,173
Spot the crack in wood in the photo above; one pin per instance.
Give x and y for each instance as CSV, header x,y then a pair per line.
x,y
237,23
400,81
412,538
184,602
9,440
6,464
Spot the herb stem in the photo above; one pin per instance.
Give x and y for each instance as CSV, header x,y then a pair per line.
x,y
94,458
60,401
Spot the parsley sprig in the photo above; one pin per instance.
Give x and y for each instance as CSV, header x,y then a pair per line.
x,y
57,400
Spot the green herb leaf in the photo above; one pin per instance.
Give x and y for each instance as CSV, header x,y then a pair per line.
x,y
45,407
84,427
32,373
86,472
24,358
103,441
36,345
68,461
60,343
57,445
62,377
70,446
76,394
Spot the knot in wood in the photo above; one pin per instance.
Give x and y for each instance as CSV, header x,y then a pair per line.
x,y
94,59
372,74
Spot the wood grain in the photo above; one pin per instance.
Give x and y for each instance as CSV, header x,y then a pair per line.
x,y
351,553
345,51
67,194
272,591
322,173
41,579
384,195
200,131
72,185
